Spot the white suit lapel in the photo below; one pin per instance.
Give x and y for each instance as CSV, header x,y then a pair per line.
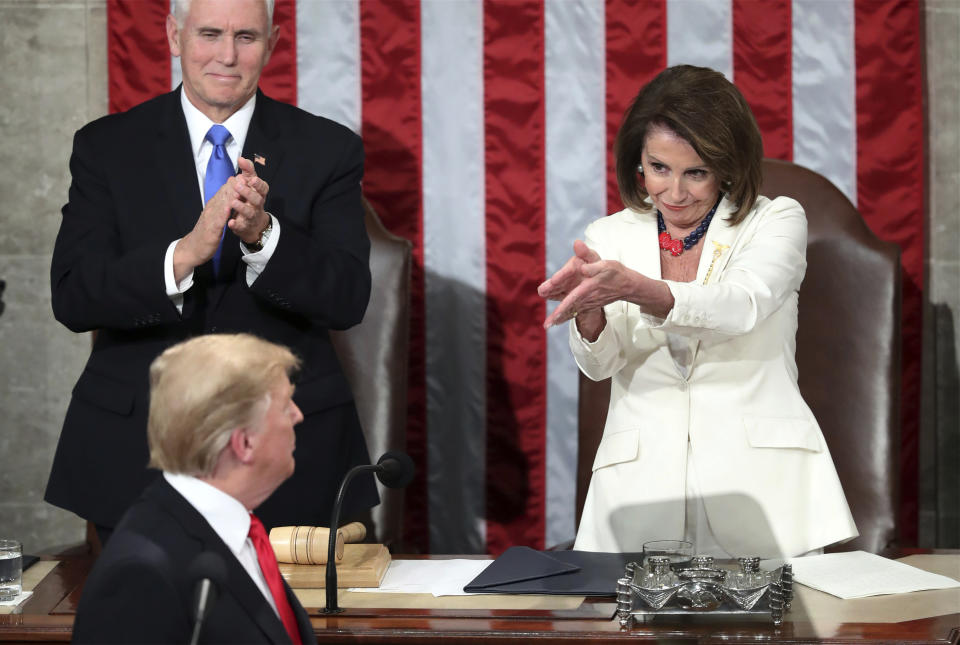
x,y
717,244
642,250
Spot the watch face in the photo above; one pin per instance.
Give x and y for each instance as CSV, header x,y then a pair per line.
x,y
264,235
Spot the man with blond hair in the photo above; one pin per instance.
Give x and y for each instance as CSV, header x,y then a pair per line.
x,y
162,240
221,430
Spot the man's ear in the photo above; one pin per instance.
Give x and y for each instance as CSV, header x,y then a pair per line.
x,y
173,35
272,42
241,444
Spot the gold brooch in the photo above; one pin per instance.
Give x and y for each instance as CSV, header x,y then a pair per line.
x,y
718,250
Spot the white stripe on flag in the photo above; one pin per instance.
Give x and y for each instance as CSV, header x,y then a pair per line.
x,y
700,32
454,251
576,195
824,91
176,74
328,59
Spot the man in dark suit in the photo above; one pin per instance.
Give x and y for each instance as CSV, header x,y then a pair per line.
x,y
153,249
221,429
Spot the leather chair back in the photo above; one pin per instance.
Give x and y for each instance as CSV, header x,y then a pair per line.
x,y
848,355
374,358
373,355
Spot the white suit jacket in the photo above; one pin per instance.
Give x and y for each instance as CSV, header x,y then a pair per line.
x,y
768,482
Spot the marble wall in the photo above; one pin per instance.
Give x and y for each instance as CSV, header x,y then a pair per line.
x,y
54,80
940,422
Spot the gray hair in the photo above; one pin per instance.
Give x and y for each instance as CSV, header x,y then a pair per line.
x,y
182,7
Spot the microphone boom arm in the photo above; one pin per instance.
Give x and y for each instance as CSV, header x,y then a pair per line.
x,y
394,470
331,579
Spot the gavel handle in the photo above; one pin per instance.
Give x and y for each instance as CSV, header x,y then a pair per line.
x,y
353,533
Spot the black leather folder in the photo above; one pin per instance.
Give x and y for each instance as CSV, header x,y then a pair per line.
x,y
522,570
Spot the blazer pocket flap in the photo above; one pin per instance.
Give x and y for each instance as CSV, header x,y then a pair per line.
x,y
105,392
778,432
617,448
322,393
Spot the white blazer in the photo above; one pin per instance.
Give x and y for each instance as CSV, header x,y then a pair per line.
x,y
768,482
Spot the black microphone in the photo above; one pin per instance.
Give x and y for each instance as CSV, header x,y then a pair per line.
x,y
209,572
394,470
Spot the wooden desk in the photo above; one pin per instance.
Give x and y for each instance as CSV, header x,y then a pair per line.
x,y
47,617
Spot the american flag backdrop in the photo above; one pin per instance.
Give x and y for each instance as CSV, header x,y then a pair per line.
x,y
488,127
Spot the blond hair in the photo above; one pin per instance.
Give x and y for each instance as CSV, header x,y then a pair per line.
x,y
204,388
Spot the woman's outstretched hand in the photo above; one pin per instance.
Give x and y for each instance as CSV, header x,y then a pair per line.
x,y
583,285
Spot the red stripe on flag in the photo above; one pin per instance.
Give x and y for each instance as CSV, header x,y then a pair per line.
x,y
138,56
890,181
636,34
279,77
390,61
762,62
514,132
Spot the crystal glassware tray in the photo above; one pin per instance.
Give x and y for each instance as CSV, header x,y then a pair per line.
x,y
703,588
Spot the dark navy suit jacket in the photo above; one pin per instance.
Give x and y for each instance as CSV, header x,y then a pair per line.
x,y
134,191
140,589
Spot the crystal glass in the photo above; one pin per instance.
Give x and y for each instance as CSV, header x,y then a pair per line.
x,y
746,586
702,562
679,552
656,583
11,569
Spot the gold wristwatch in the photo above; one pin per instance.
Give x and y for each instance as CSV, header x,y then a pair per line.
x,y
264,236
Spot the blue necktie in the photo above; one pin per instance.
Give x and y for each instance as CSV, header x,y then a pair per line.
x,y
219,170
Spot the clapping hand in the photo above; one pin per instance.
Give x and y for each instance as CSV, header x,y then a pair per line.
x,y
249,195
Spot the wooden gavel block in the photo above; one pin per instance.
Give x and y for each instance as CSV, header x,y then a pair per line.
x,y
308,544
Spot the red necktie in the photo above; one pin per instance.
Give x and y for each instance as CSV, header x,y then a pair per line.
x,y
271,572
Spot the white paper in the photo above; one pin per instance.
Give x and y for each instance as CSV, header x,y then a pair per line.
x,y
437,577
859,574
17,600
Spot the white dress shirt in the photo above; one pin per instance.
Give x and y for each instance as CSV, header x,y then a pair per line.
x,y
198,124
229,519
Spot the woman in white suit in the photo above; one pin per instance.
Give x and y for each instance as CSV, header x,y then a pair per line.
x,y
688,300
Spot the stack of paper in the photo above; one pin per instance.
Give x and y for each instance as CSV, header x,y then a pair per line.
x,y
437,577
859,574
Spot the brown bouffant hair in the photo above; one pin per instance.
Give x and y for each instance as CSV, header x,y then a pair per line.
x,y
709,112
204,388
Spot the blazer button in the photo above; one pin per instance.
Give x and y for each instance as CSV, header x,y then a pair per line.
x,y
683,386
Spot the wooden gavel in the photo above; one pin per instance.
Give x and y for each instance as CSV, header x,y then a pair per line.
x,y
308,544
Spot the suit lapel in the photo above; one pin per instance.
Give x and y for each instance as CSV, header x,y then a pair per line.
x,y
716,245
303,618
239,584
262,145
645,250
177,168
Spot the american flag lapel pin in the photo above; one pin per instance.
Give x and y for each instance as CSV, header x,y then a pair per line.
x,y
260,159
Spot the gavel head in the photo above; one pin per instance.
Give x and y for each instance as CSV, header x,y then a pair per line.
x,y
303,544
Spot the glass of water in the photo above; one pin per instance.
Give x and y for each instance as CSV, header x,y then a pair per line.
x,y
11,569
679,552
